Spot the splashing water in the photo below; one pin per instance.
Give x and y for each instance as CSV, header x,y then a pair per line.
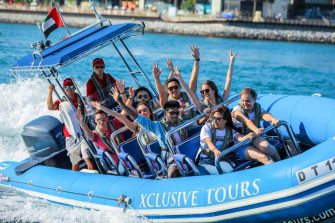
x,y
19,106
22,208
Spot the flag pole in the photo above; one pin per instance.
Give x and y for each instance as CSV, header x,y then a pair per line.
x,y
40,28
61,17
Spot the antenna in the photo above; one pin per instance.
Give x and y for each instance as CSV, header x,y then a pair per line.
x,y
97,15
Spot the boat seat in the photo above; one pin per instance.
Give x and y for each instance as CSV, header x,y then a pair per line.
x,y
152,155
131,155
193,131
185,155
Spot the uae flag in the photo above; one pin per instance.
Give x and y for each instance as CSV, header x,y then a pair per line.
x,y
51,22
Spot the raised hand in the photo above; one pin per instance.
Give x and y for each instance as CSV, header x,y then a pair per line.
x,y
207,111
156,71
169,65
232,55
195,52
131,91
176,73
115,94
120,84
51,88
96,104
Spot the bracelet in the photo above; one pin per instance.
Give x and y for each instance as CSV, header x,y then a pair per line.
x,y
197,59
131,98
121,93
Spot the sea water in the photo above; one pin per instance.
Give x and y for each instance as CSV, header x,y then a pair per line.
x,y
266,66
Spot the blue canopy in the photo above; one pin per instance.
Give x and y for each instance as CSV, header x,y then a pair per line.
x,y
77,46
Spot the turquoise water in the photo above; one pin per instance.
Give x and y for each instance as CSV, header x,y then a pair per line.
x,y
267,66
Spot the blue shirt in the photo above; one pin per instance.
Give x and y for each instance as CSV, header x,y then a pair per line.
x,y
155,127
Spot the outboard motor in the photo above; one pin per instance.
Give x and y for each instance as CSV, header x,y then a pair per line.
x,y
43,136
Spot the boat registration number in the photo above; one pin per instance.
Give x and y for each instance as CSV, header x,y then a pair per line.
x,y
317,170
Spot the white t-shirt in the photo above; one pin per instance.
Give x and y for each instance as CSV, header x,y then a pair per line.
x,y
220,134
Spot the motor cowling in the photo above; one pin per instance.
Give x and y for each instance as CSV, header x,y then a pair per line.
x,y
43,136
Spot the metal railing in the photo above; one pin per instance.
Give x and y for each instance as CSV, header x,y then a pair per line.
x,y
196,118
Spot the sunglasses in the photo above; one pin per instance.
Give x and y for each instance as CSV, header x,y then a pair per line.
x,y
145,96
99,67
142,110
71,87
175,87
204,91
216,119
173,112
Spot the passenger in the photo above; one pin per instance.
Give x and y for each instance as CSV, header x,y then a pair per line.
x,y
160,128
210,93
98,86
141,95
173,86
77,149
101,135
218,135
209,90
141,109
250,113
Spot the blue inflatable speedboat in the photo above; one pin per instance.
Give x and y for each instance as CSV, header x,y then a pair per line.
x,y
301,185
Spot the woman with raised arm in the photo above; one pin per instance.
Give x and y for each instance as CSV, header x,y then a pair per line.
x,y
209,90
250,113
141,109
219,134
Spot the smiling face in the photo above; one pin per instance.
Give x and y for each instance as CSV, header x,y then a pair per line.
x,y
173,89
206,91
102,121
142,96
218,121
247,102
144,110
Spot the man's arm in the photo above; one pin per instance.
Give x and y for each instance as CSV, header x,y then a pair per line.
x,y
156,72
191,94
50,104
130,125
88,132
241,118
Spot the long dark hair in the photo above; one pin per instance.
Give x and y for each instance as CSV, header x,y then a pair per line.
x,y
226,115
212,85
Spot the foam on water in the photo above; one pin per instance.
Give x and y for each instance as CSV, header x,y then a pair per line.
x,y
22,208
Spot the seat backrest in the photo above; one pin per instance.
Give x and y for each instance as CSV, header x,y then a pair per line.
x,y
190,147
154,147
133,148
193,131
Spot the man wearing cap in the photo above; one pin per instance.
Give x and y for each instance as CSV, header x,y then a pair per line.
x,y
98,86
78,149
